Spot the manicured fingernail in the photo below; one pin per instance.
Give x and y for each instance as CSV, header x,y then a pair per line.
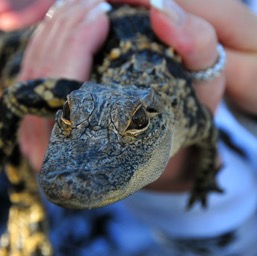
x,y
99,9
170,8
90,2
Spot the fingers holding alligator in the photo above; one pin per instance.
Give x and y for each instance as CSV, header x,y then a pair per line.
x,y
74,24
199,51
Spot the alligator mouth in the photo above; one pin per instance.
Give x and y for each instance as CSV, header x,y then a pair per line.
x,y
79,190
66,199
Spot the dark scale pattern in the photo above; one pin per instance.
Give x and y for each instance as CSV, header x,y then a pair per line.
x,y
125,27
12,43
7,133
26,94
96,154
177,70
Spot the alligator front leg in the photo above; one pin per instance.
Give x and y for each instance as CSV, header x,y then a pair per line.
x,y
204,136
207,169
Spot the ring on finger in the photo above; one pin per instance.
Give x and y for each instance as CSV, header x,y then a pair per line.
x,y
212,72
51,11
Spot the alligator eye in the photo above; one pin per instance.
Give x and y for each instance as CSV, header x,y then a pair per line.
x,y
66,112
139,121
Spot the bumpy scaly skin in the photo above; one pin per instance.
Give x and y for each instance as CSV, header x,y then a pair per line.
x,y
26,227
116,133
11,52
26,232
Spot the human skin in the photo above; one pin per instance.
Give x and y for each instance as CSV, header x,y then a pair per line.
x,y
198,51
16,14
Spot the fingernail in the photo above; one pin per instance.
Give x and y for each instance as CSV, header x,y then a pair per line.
x,y
90,2
99,9
170,9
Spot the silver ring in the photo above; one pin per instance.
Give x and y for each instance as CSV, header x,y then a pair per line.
x,y
212,72
51,11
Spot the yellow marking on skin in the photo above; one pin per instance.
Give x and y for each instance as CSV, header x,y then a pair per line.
x,y
156,47
24,235
110,72
38,214
181,83
23,109
165,87
48,95
100,69
191,104
39,89
50,84
12,104
13,176
144,45
55,103
155,86
170,53
114,54
23,197
104,67
126,46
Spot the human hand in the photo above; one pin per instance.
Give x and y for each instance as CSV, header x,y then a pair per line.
x,y
67,43
16,14
240,40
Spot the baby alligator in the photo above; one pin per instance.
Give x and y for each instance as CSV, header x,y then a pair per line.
x,y
116,133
